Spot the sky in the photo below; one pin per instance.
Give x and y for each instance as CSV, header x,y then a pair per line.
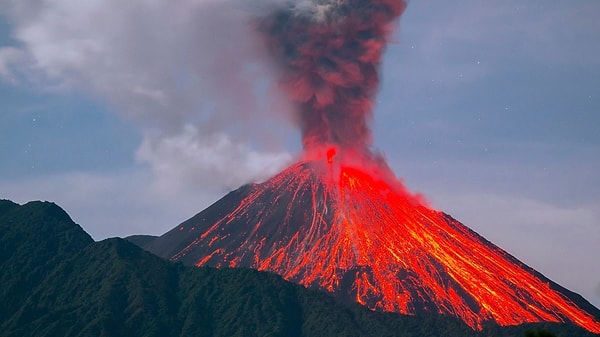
x,y
133,116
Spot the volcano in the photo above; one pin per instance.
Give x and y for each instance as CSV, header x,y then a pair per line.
x,y
334,223
338,220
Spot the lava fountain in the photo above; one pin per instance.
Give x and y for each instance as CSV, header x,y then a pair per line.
x,y
338,219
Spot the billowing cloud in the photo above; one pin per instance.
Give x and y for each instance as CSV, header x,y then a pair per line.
x,y
188,73
178,159
8,56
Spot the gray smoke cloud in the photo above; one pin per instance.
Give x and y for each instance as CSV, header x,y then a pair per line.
x,y
190,73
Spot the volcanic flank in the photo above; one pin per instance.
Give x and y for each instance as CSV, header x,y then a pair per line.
x,y
338,219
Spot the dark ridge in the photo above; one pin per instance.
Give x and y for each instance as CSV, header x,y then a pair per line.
x,y
34,239
141,240
6,206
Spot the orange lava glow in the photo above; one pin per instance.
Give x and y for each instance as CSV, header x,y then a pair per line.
x,y
365,235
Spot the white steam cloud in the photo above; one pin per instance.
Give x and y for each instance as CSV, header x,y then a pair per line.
x,y
188,72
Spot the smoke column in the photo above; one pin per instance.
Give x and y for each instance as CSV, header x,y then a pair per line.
x,y
329,53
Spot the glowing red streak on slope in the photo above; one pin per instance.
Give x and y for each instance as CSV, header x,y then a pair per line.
x,y
330,153
399,255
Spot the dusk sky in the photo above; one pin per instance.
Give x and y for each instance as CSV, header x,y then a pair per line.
x,y
135,115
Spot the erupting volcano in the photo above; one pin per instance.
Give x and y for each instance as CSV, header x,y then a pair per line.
x,y
329,224
338,219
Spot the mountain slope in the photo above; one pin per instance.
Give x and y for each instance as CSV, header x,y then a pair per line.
x,y
34,239
141,240
345,229
114,288
72,286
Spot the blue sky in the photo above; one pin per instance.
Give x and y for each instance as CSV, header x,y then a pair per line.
x,y
133,116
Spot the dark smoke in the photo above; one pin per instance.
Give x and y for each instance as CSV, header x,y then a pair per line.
x,y
330,54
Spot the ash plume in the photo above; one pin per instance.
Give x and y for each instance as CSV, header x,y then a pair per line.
x,y
329,54
199,71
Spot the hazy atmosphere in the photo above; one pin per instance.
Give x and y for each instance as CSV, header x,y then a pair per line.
x,y
134,116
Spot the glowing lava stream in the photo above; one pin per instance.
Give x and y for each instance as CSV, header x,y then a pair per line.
x,y
341,228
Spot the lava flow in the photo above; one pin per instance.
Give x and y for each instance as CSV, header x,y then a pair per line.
x,y
329,224
338,220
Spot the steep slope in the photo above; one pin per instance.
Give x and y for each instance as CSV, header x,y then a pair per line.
x,y
346,229
34,239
